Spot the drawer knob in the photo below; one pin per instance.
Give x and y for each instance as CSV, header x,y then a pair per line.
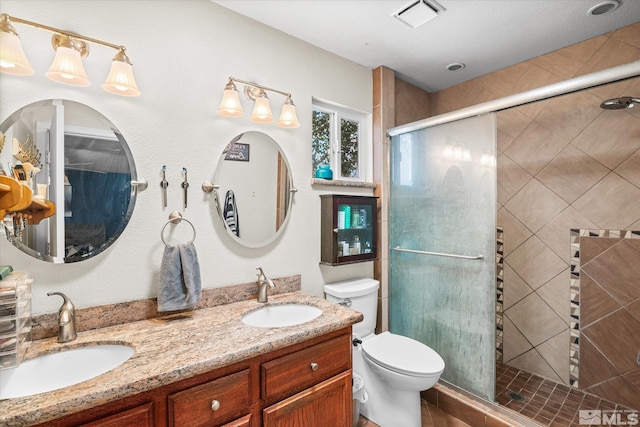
x,y
314,366
215,405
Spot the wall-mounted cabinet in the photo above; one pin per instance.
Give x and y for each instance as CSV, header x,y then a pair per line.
x,y
349,228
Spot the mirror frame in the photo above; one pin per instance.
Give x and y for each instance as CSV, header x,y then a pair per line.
x,y
218,202
136,184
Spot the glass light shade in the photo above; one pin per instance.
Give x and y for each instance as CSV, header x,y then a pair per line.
x,y
67,68
288,117
230,105
120,80
262,110
12,57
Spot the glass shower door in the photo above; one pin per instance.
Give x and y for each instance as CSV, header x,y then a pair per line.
x,y
443,203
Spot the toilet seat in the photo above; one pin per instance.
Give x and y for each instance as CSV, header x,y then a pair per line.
x,y
403,355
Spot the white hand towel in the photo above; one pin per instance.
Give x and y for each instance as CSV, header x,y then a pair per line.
x,y
180,286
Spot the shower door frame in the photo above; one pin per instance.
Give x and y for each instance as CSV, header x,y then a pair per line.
x,y
576,84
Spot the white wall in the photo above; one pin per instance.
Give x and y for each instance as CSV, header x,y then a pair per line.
x,y
183,52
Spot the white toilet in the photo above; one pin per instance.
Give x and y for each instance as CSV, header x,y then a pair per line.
x,y
394,368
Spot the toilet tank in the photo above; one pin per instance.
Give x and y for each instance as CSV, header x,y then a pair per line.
x,y
363,294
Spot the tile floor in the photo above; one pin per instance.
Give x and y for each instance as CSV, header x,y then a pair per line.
x,y
545,401
431,417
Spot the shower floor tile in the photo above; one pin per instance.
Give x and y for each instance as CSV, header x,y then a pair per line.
x,y
543,400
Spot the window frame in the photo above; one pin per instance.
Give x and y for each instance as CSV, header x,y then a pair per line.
x,y
337,114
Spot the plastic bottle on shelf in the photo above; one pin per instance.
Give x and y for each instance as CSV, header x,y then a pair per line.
x,y
345,249
341,220
347,216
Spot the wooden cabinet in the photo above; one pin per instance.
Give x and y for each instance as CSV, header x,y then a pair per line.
x,y
211,403
141,416
321,405
304,385
242,422
303,368
349,229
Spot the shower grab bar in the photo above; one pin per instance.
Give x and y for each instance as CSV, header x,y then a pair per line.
x,y
399,249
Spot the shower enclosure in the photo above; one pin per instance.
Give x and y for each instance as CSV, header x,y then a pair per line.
x,y
444,211
442,234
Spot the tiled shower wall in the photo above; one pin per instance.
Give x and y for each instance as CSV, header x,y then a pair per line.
x,y
571,165
562,163
608,313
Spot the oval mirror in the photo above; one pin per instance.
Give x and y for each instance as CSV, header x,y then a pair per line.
x,y
76,162
253,189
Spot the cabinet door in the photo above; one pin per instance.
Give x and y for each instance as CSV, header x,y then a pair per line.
x,y
140,416
327,404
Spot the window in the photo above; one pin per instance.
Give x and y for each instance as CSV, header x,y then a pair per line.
x,y
338,141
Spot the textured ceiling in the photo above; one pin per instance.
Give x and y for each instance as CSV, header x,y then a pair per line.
x,y
486,35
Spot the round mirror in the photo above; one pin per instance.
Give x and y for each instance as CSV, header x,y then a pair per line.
x,y
253,189
74,161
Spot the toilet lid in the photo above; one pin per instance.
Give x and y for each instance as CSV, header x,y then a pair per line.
x,y
403,354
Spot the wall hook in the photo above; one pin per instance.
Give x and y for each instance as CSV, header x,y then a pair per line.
x,y
185,186
164,184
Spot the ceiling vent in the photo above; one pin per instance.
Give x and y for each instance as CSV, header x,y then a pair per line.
x,y
418,12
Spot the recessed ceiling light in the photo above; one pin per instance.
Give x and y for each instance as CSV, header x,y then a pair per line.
x,y
455,66
604,8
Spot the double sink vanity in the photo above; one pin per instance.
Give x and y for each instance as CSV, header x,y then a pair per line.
x,y
239,364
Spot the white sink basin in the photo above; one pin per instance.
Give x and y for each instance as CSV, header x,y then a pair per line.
x,y
275,316
57,370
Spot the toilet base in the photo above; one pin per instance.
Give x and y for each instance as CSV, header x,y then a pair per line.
x,y
387,407
393,408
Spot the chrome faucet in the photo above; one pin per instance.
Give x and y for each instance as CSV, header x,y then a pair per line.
x,y
263,281
66,319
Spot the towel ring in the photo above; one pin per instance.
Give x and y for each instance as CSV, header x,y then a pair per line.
x,y
176,218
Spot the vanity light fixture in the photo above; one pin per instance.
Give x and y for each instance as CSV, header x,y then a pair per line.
x,y
231,107
261,108
67,65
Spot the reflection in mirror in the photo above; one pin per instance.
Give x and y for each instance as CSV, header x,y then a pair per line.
x,y
253,189
82,167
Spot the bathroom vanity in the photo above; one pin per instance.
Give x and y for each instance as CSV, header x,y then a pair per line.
x,y
207,367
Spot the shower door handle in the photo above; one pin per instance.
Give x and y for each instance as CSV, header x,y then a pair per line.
x,y
413,251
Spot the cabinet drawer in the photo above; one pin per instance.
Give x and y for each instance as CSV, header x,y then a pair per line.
x,y
141,416
241,422
211,403
306,367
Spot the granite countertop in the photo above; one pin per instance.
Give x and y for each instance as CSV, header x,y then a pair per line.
x,y
169,349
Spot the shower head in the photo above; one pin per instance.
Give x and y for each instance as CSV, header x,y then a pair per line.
x,y
619,103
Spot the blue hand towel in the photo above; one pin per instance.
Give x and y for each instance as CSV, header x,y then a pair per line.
x,y
180,286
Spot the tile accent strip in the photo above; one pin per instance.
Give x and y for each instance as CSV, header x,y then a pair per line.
x,y
499,293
